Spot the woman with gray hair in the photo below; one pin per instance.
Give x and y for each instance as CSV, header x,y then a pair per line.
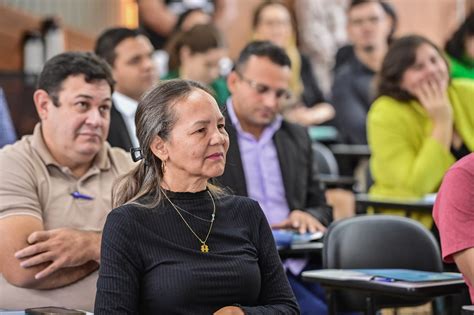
x,y
176,243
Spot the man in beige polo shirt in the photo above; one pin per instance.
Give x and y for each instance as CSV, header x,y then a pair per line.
x,y
55,189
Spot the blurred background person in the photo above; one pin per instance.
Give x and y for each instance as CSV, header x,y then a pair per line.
x,y
7,131
158,18
185,22
369,28
322,31
346,53
272,21
196,55
460,50
129,54
421,122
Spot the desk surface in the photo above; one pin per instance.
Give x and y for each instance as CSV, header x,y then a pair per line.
x,y
340,279
353,150
336,180
323,133
311,248
407,204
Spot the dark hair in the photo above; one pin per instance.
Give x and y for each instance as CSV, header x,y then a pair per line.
x,y
455,46
258,12
155,116
60,67
110,39
199,39
355,3
401,55
182,18
388,9
263,49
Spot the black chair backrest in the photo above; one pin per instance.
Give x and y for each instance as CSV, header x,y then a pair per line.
x,y
379,241
324,160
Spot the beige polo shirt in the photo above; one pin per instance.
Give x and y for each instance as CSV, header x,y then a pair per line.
x,y
32,183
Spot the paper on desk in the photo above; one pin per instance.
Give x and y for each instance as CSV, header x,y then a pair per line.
x,y
291,237
430,197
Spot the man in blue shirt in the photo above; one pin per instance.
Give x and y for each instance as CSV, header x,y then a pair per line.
x,y
7,131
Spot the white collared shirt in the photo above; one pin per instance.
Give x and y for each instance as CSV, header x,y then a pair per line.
x,y
127,108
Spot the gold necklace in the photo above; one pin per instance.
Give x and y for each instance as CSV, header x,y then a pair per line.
x,y
204,246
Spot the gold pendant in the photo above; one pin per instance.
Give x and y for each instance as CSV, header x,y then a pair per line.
x,y
204,248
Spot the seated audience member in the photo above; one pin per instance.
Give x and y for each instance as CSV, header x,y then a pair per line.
x,y
55,189
346,53
159,18
195,55
7,131
460,50
321,29
178,244
192,17
270,159
420,124
129,54
453,214
186,21
368,28
272,21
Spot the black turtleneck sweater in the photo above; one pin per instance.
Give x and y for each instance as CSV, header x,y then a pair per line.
x,y
151,263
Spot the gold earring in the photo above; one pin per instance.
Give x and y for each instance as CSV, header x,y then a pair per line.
x,y
163,164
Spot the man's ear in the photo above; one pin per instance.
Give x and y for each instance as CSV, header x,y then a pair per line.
x,y
159,148
232,79
42,103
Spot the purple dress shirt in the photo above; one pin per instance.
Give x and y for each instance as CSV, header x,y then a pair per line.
x,y
263,175
260,160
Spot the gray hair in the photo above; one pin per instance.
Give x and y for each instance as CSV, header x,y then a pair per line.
x,y
155,116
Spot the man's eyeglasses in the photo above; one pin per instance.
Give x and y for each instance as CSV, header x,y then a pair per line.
x,y
260,88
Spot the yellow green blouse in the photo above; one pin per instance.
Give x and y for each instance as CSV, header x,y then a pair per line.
x,y
406,161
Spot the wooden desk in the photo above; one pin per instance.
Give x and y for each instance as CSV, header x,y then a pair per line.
x,y
405,204
336,279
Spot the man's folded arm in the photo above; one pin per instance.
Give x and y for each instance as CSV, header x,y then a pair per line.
x,y
15,231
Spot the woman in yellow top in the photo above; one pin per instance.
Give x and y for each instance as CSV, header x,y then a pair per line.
x,y
420,124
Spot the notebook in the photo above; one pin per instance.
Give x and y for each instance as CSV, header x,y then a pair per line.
x,y
409,275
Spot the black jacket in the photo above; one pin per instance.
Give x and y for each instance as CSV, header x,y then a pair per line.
x,y
118,132
293,147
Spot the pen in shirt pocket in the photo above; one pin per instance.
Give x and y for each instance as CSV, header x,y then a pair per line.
x,y
78,195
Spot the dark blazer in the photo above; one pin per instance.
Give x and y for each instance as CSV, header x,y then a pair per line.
x,y
294,152
118,132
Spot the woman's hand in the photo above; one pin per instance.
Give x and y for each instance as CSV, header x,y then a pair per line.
x,y
432,94
230,310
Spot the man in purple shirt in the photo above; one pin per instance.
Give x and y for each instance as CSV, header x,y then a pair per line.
x,y
269,159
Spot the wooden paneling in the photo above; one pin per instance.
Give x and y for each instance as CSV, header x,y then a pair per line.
x,y
13,26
